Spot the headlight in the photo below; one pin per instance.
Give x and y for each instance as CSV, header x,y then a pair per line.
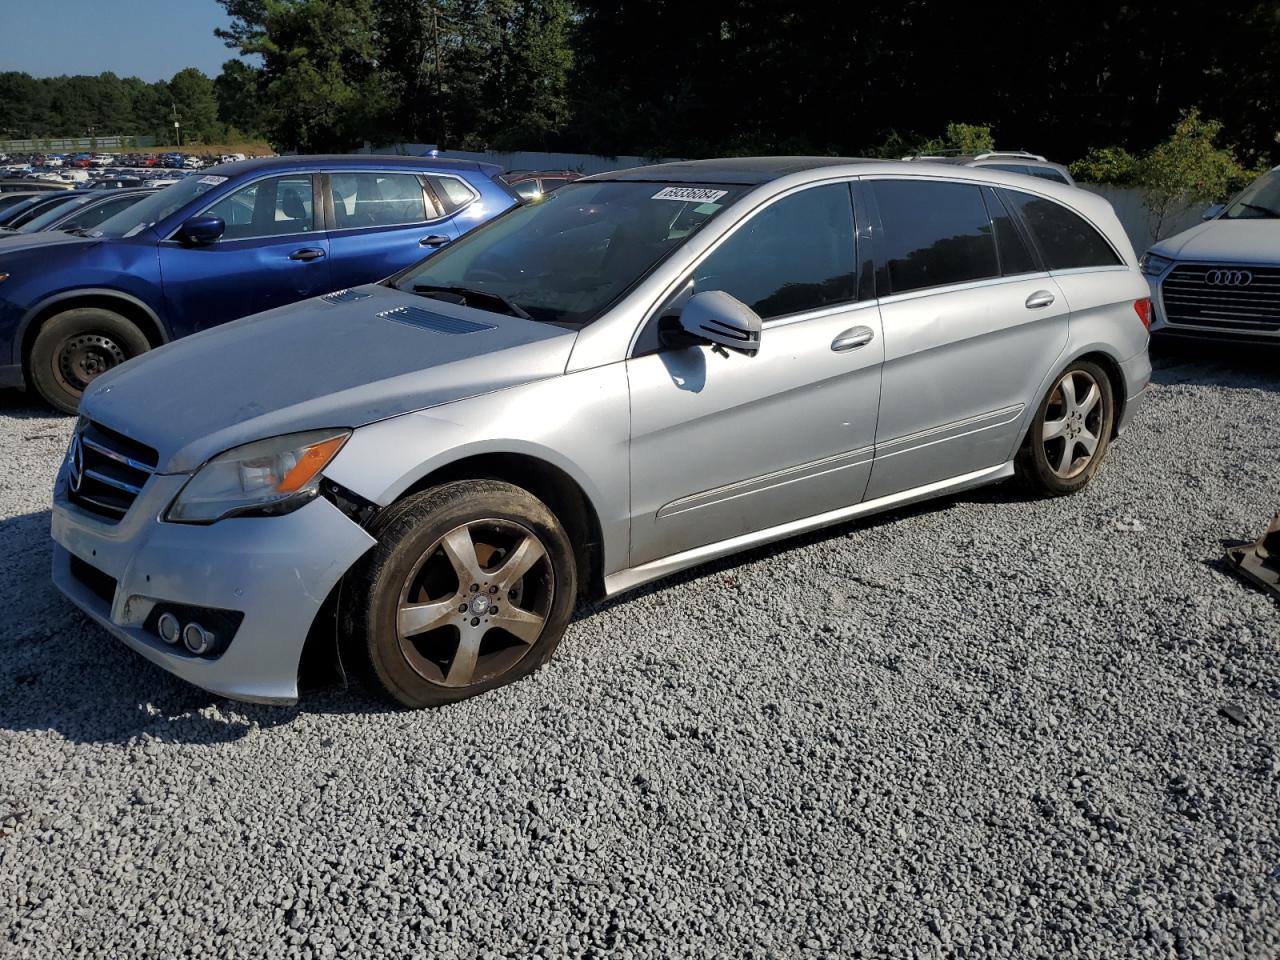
x,y
1152,264
269,476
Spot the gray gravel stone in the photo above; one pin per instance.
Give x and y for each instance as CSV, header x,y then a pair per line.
x,y
982,727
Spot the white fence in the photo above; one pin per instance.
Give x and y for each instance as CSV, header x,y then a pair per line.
x,y
73,144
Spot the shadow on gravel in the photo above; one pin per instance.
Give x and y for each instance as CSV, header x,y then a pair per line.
x,y
1213,363
61,672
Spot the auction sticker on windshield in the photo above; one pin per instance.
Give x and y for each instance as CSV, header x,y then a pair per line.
x,y
690,194
213,180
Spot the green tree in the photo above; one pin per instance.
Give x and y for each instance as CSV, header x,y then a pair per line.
x,y
1106,165
1189,167
321,79
192,96
239,97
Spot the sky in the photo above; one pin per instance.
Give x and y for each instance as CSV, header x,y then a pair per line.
x,y
151,39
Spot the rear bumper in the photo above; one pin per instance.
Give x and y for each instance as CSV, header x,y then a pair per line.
x,y
277,571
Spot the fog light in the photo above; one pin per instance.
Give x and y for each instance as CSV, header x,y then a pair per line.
x,y
169,628
197,639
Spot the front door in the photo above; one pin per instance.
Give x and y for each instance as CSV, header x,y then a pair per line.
x,y
971,326
272,252
727,445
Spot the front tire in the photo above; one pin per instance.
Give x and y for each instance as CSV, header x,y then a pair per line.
x,y
1070,432
470,587
77,346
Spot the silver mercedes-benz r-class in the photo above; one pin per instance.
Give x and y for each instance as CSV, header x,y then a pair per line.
x,y
635,374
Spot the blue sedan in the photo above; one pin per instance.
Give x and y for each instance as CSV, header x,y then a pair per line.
x,y
242,238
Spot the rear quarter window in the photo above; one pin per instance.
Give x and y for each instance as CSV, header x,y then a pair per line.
x,y
1066,240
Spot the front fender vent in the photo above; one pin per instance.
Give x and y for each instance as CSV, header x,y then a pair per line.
x,y
345,296
438,322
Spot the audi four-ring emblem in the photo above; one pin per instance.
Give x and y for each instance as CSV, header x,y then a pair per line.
x,y
1228,278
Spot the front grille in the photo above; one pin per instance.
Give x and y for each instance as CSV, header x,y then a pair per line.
x,y
111,470
100,584
1242,298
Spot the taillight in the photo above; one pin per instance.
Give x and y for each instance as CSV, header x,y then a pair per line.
x,y
1143,309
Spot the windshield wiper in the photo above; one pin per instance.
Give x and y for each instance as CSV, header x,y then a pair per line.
x,y
466,294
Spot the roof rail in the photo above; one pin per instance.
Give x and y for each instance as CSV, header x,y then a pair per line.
x,y
1026,155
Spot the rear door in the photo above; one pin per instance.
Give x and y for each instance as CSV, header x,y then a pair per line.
x,y
272,252
381,222
972,324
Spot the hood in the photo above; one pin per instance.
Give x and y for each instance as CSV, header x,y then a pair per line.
x,y
334,361
1225,241
21,242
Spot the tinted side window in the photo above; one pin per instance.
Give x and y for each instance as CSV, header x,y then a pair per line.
x,y
1065,240
103,211
277,206
452,193
528,189
795,255
376,199
934,233
1007,167
1015,257
1047,173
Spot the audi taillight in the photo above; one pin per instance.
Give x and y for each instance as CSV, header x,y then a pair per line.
x,y
1143,309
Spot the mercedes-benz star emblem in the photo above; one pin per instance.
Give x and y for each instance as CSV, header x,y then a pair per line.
x,y
1228,278
76,477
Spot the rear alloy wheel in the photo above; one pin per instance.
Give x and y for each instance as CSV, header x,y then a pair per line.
x,y
470,587
76,347
1070,433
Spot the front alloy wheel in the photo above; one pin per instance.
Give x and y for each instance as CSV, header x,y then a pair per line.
x,y
470,587
476,603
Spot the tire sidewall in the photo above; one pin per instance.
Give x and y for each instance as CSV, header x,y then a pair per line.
x,y
70,323
405,532
1038,470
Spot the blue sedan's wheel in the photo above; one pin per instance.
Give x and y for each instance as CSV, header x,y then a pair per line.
x,y
76,347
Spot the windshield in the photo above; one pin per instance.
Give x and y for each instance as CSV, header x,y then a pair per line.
x,y
566,256
156,207
52,213
1260,200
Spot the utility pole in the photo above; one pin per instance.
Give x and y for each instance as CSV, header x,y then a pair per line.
x,y
177,127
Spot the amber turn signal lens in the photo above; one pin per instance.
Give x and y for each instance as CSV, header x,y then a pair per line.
x,y
310,463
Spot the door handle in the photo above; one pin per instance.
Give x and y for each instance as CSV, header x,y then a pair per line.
x,y
1041,298
853,338
435,240
306,254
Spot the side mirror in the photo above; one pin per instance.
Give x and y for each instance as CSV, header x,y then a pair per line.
x,y
1213,211
202,231
716,318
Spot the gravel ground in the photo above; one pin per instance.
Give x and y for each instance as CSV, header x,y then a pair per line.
x,y
987,727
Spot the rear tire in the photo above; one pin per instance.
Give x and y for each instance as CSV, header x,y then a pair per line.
x,y
470,587
75,347
1070,432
